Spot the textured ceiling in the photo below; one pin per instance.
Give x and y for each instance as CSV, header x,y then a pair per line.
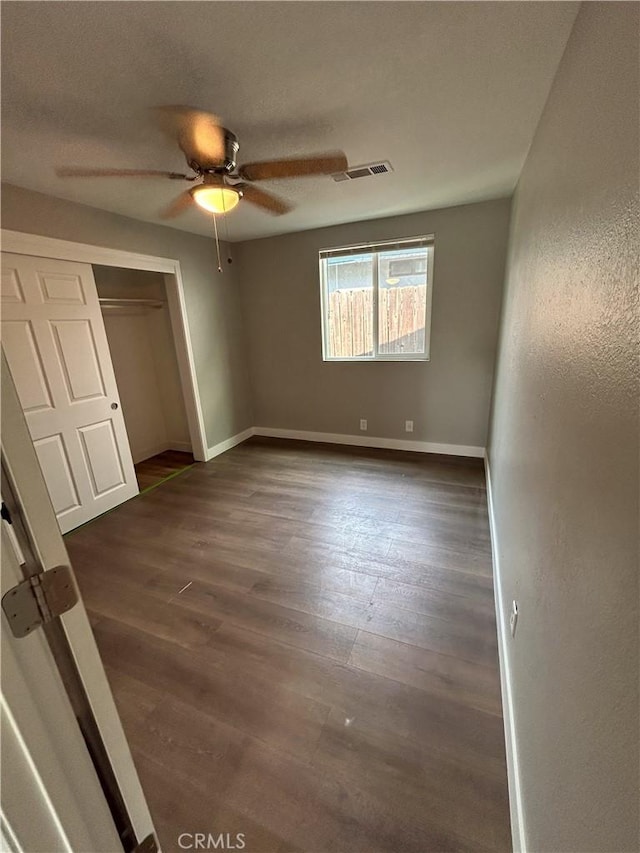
x,y
450,93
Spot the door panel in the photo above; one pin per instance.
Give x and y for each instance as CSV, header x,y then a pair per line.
x,y
61,288
101,453
54,339
24,359
52,456
11,287
78,359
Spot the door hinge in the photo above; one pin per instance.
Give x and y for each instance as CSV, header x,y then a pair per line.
x,y
6,515
147,845
39,599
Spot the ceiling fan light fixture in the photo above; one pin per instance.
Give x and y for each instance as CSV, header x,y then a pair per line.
x,y
216,199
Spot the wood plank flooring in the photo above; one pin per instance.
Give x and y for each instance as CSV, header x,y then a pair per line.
x,y
157,468
301,641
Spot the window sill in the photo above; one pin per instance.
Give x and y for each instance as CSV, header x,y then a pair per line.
x,y
398,360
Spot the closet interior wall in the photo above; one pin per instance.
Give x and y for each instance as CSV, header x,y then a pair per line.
x,y
144,360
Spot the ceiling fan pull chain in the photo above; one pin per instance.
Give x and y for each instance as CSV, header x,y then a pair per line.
x,y
226,235
215,231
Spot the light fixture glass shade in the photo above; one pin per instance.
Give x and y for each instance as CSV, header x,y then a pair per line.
x,y
216,199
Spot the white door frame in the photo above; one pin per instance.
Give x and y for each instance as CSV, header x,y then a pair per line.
x,y
37,520
21,243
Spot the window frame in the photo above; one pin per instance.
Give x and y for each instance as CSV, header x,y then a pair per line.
x,y
375,248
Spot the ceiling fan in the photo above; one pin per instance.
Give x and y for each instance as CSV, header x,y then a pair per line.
x,y
210,150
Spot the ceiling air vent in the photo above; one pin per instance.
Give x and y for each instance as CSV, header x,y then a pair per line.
x,y
366,171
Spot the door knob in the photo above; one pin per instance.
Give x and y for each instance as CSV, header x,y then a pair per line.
x,y
114,406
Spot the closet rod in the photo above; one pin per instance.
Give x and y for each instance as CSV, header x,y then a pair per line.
x,y
130,303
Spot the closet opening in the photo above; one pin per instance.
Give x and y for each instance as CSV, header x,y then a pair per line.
x,y
137,320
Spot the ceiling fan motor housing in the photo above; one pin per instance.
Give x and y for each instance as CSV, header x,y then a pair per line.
x,y
231,148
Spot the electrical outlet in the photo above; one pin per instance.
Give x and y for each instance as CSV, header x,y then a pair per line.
x,y
363,424
408,426
513,619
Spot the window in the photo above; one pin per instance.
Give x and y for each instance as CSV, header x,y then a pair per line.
x,y
376,301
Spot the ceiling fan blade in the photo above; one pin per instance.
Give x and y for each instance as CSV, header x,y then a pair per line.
x,y
73,172
198,133
265,200
319,164
178,205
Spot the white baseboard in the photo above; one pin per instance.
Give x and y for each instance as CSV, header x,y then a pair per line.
x,y
148,452
371,441
228,443
513,768
184,446
337,438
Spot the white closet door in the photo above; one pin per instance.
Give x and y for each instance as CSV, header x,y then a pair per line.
x,y
54,340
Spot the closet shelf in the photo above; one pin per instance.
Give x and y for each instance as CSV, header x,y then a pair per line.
x,y
130,303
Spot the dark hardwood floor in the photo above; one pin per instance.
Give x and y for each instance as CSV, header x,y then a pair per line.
x,y
157,468
301,641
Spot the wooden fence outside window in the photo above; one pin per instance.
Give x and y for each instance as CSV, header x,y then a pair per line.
x,y
401,321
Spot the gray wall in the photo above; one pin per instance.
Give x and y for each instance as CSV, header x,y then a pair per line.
x,y
213,300
447,398
564,447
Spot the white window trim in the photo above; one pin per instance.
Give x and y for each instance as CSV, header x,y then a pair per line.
x,y
429,240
